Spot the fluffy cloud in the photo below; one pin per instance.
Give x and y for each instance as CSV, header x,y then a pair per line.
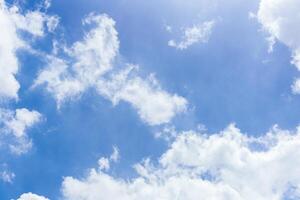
x,y
31,196
228,165
15,124
14,21
59,82
91,60
154,105
193,35
281,19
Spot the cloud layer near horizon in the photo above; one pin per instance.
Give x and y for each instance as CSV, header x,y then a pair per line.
x,y
227,165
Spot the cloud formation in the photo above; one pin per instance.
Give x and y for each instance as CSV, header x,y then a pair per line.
x,y
154,105
281,19
32,22
228,165
89,59
92,60
104,162
192,35
15,124
7,176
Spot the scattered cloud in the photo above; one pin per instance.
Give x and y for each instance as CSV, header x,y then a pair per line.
x,y
296,86
7,176
115,156
88,60
154,105
15,124
91,61
192,35
104,163
32,22
228,165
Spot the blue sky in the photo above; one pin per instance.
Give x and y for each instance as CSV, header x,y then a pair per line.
x,y
225,80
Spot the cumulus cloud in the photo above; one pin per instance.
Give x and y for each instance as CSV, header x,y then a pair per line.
x,y
281,19
31,196
227,165
32,22
88,60
15,124
91,61
154,105
192,35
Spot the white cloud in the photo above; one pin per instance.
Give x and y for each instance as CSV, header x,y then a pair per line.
x,y
228,165
91,59
7,176
115,156
281,19
21,121
193,35
296,86
10,41
154,105
16,124
59,82
104,163
31,196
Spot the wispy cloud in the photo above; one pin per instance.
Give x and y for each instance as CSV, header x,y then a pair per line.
x,y
192,35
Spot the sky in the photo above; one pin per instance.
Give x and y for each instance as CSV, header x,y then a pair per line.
x,y
161,99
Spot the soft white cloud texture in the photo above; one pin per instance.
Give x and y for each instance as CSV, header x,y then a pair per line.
x,y
194,34
31,196
104,163
14,21
91,61
15,124
154,105
228,165
281,19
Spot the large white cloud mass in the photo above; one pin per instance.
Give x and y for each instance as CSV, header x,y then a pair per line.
x,y
228,165
91,59
281,18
